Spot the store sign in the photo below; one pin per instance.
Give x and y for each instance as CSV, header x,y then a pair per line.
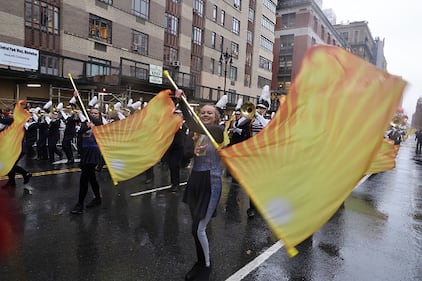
x,y
18,56
155,74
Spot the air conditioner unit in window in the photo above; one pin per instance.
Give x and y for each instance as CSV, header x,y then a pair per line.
x,y
176,63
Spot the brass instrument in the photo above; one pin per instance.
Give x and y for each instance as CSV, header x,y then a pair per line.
x,y
248,110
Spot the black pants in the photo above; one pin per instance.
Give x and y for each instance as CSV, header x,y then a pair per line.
x,y
67,147
174,158
16,169
418,146
88,176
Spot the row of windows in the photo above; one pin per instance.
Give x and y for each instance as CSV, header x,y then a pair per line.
x,y
41,15
266,43
235,21
234,46
267,23
232,71
265,63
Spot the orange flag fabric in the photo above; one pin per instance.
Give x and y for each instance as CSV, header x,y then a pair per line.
x,y
385,158
302,166
11,139
132,145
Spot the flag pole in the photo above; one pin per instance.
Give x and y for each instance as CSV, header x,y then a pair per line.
x,y
195,116
79,97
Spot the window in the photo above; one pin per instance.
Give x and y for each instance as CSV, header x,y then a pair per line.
x,y
98,67
285,65
196,63
236,4
213,38
235,26
247,81
267,23
356,36
214,13
49,65
223,17
197,35
322,32
171,24
328,38
170,54
140,43
287,42
235,49
141,8
270,5
233,73
315,24
251,15
212,64
345,35
110,2
265,63
198,7
262,81
266,43
249,37
221,42
220,68
288,20
99,29
42,16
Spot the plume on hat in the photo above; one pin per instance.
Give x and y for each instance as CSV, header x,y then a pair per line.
x,y
48,105
93,101
72,100
265,98
118,106
222,102
59,106
239,104
135,105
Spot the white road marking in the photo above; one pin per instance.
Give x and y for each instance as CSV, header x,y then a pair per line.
x,y
155,189
252,265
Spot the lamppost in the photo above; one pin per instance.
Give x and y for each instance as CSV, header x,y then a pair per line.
x,y
225,58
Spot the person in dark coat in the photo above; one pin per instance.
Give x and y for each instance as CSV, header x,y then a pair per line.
x,y
175,155
31,131
53,137
69,134
90,158
42,151
418,138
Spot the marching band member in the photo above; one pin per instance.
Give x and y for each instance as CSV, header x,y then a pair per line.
x,y
70,120
204,186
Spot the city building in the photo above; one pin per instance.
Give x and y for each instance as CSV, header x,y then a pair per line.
x,y
300,24
118,49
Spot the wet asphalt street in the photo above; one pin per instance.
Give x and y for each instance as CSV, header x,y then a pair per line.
x,y
376,235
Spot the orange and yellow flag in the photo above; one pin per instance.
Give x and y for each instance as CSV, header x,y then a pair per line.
x,y
301,167
11,139
132,145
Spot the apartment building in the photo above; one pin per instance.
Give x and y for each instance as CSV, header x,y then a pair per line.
x,y
359,37
118,49
300,24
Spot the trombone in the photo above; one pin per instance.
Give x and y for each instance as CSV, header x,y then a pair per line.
x,y
248,110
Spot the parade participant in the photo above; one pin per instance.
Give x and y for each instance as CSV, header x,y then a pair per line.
x,y
90,158
70,120
54,136
204,186
31,131
5,121
175,154
257,125
42,151
418,138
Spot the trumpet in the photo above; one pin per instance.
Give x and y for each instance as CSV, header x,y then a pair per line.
x,y
248,110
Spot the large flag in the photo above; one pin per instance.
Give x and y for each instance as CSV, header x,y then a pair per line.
x,y
132,145
11,139
301,167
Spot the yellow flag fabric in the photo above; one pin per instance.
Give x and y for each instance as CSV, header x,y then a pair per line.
x,y
132,145
11,139
301,167
385,158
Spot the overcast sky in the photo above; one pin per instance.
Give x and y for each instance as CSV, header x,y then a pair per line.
x,y
398,22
